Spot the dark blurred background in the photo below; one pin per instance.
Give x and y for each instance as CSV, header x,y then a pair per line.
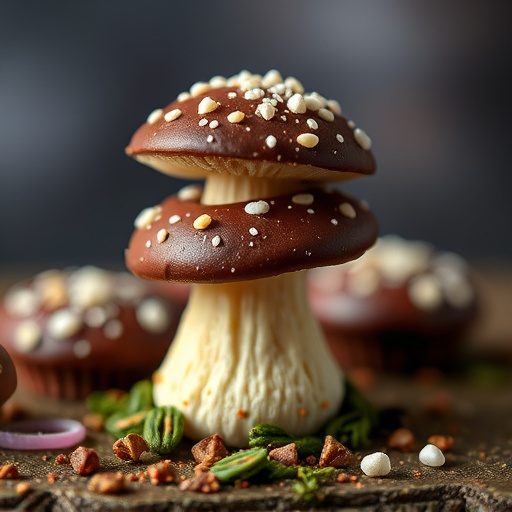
x,y
429,81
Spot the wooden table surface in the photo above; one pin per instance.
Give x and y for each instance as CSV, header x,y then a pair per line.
x,y
476,411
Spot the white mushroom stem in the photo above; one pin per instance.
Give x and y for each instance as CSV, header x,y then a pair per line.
x,y
249,352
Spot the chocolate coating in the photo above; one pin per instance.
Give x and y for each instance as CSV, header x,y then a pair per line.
x,y
246,140
69,336
287,238
8,378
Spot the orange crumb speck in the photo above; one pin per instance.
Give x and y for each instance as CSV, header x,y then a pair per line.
x,y
157,377
324,404
241,413
185,403
303,412
417,474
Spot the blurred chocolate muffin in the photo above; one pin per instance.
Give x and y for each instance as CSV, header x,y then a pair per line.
x,y
8,378
401,306
71,332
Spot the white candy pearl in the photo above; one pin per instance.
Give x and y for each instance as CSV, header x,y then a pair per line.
x,y
376,464
431,455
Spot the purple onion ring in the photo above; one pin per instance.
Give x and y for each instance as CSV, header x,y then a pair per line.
x,y
42,434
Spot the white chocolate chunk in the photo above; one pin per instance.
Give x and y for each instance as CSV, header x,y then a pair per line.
x,y
326,115
172,115
155,116
82,349
207,105
347,210
236,117
308,140
271,141
27,336
152,316
257,207
64,324
146,217
305,199
432,456
162,236
362,139
425,292
376,464
266,110
202,222
297,104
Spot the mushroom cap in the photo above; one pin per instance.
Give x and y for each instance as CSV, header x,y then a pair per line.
x,y
8,378
187,241
249,125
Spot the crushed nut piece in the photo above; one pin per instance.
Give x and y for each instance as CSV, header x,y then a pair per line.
x,y
162,472
401,439
442,442
84,461
297,104
61,459
52,477
202,222
22,488
154,116
207,105
326,115
210,450
311,460
93,421
342,478
172,115
107,483
334,454
9,471
205,482
130,447
266,110
162,236
286,455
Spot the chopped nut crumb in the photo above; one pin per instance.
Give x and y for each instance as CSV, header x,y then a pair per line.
x,y
9,471
236,117
207,105
286,455
155,116
204,482
401,439
22,488
241,413
326,115
209,450
311,460
334,454
442,442
266,110
61,459
107,483
162,236
162,472
52,477
172,115
130,447
84,461
342,478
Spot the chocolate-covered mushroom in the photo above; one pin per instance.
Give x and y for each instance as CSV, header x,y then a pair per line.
x,y
8,378
248,349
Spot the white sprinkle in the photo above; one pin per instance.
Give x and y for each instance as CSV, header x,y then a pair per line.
x,y
236,116
310,210
283,118
154,116
247,128
308,140
113,329
207,105
251,244
272,101
209,138
277,98
376,464
266,110
326,115
82,349
253,231
200,88
21,302
153,316
145,217
305,199
340,138
297,104
96,316
27,336
216,240
432,456
182,96
312,102
64,324
254,94
425,292
203,122
334,106
293,84
279,88
174,219
162,236
232,270
364,205
148,244
257,207
172,115
190,193
271,141
271,78
214,124
312,124
217,81
347,210
362,139
231,95
334,222
351,124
